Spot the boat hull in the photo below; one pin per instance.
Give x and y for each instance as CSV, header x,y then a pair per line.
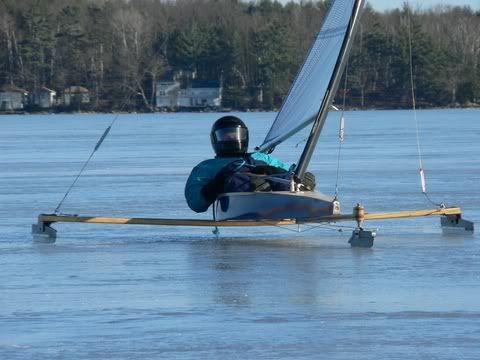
x,y
277,205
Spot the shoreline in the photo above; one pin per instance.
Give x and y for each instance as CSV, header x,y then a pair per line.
x,y
471,107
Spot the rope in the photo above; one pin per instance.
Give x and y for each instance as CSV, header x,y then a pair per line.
x,y
341,129
216,230
417,128
97,146
313,227
102,138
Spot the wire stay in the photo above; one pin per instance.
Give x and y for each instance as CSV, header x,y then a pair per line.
x,y
423,181
97,146
341,130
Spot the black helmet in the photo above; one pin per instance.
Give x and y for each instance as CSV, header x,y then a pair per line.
x,y
229,137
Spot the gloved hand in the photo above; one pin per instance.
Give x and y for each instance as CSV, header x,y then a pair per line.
x,y
216,186
266,170
212,189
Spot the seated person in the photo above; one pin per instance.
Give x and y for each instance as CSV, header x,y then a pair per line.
x,y
233,169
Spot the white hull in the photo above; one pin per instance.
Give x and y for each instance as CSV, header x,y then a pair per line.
x,y
277,205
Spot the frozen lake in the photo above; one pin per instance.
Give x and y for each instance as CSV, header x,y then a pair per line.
x,y
131,292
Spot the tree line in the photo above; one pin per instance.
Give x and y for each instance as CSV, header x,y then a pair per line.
x,y
118,49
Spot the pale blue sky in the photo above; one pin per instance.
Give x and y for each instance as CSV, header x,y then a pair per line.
x,y
423,4
381,5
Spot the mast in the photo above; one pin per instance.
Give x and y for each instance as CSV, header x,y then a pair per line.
x,y
331,90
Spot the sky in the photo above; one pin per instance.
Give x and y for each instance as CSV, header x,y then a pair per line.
x,y
381,5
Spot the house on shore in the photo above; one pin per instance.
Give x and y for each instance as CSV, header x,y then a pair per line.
x,y
44,98
12,98
166,92
201,94
75,96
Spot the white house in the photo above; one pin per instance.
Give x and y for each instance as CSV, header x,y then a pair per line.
x,y
44,98
75,95
167,94
12,98
201,94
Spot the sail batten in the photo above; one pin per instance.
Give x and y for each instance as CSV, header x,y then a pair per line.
x,y
312,84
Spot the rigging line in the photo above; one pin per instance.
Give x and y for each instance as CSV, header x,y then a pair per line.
x,y
97,146
215,231
327,227
414,106
100,141
306,138
307,227
286,228
341,130
331,226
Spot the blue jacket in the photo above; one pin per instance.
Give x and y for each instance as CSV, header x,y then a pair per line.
x,y
204,172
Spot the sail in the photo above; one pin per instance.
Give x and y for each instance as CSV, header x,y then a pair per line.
x,y
310,88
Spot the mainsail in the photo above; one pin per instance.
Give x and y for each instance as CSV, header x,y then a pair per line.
x,y
315,84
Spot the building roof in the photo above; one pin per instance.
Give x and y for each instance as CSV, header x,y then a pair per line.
x,y
12,88
166,82
45,89
76,90
205,84
168,86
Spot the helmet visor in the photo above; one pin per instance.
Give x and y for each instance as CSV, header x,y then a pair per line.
x,y
231,134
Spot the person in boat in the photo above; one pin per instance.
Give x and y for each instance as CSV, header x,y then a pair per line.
x,y
234,169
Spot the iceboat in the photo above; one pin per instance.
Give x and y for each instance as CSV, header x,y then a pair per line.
x,y
307,103
275,205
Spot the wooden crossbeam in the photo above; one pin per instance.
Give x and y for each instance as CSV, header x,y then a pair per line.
x,y
413,213
159,221
52,218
